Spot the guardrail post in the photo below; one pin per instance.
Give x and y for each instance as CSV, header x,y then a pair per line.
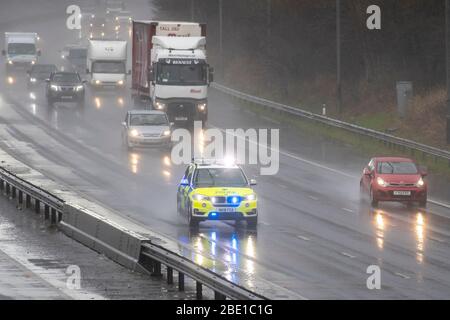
x,y
180,281
13,192
156,269
169,275
2,184
53,216
7,189
27,201
59,215
199,291
219,296
37,206
20,197
46,212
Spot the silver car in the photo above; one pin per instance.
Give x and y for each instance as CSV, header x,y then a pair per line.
x,y
146,128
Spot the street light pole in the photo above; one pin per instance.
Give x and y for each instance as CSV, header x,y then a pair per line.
x,y
221,39
269,18
338,57
447,57
192,10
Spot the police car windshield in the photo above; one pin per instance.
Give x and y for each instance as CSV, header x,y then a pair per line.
x,y
220,177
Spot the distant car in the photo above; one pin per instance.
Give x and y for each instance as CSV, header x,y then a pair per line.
x,y
65,87
146,128
39,73
211,190
394,179
75,58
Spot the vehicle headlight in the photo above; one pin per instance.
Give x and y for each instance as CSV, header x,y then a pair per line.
x,y
54,87
160,105
381,182
120,82
200,197
201,107
79,88
250,197
166,133
420,183
33,62
10,62
134,133
98,82
32,79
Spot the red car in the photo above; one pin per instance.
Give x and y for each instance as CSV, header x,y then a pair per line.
x,y
394,179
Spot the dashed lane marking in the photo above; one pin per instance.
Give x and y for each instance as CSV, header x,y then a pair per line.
x,y
303,238
348,255
404,276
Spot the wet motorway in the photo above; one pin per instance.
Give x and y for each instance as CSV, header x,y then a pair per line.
x,y
315,238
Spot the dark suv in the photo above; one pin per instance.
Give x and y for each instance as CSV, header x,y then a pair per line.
x,y
65,87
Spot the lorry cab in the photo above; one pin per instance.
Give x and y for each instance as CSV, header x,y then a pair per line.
x,y
20,50
170,69
180,78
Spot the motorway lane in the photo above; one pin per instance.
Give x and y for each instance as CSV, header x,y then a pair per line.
x,y
319,237
315,238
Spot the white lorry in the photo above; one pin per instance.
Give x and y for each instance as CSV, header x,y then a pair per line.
x,y
20,49
170,69
106,64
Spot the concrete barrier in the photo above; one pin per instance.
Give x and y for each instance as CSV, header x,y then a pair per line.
x,y
102,235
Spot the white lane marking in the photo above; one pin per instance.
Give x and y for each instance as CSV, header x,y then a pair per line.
x,y
303,238
264,223
348,255
314,198
287,154
437,203
436,239
270,120
348,210
404,276
282,186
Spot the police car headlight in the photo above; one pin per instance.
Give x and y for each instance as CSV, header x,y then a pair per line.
x,y
10,62
79,88
54,87
120,82
160,105
98,82
200,197
250,197
134,133
33,62
32,79
166,133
